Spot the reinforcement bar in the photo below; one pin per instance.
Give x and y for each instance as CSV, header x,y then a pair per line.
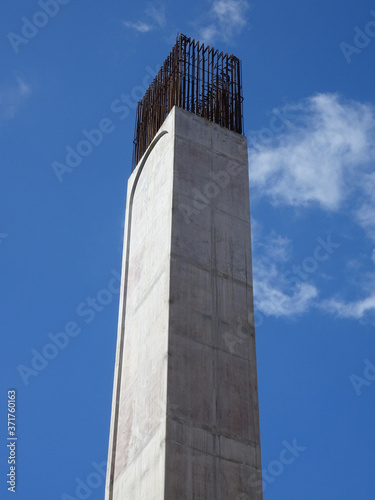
x,y
196,78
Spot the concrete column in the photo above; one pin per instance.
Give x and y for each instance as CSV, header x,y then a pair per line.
x,y
185,421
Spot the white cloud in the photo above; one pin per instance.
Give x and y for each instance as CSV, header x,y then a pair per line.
x,y
138,26
208,34
319,152
353,310
282,290
365,214
277,247
316,155
226,19
230,12
12,97
272,294
272,299
156,14
363,305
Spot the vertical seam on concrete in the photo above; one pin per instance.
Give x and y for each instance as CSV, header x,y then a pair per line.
x,y
215,351
122,332
253,366
169,298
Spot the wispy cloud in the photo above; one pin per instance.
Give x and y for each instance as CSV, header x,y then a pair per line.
x,y
225,19
156,18
273,296
354,310
157,14
324,156
283,289
138,26
361,303
320,154
318,158
273,299
365,213
12,97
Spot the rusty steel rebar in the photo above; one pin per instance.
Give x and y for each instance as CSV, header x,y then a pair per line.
x,y
196,78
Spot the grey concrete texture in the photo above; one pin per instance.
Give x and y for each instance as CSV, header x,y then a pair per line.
x,y
185,419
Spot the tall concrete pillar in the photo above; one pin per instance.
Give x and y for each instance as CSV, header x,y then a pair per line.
x,y
185,421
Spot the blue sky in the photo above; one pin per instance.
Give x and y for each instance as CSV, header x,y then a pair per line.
x,y
308,74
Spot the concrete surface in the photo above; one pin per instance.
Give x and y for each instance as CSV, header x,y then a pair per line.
x,y
185,421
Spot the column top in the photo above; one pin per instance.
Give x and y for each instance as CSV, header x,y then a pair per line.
x,y
194,77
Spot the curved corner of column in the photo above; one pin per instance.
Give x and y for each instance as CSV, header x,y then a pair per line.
x,y
112,447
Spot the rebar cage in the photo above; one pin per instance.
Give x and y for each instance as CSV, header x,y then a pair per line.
x,y
196,78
